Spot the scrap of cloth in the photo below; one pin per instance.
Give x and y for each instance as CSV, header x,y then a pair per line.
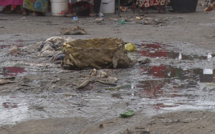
x,y
10,2
149,3
75,1
36,5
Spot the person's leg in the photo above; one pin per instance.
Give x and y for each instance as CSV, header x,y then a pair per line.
x,y
38,14
97,4
70,12
7,9
17,9
25,12
161,9
145,10
92,13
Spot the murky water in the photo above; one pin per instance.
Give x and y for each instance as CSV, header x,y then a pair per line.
x,y
177,86
13,71
173,80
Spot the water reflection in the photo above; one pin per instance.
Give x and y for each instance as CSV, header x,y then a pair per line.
x,y
173,87
9,43
159,50
193,76
13,71
151,88
167,71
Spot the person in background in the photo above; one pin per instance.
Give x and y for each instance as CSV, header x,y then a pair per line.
x,y
97,4
38,7
11,6
77,7
160,4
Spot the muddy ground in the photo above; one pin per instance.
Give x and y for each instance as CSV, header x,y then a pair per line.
x,y
171,94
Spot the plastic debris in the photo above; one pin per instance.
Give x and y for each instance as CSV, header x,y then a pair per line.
x,y
130,47
127,114
139,18
122,21
75,30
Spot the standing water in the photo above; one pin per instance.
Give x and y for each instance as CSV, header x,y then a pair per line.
x,y
177,77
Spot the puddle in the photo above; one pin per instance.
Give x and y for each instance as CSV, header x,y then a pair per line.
x,y
9,105
10,43
159,50
153,88
207,24
9,46
13,71
167,71
188,79
171,87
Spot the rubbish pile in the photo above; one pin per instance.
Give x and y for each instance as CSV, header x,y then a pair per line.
x,y
50,47
89,53
75,30
95,53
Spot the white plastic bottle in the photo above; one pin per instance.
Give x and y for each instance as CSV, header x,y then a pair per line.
x,y
101,14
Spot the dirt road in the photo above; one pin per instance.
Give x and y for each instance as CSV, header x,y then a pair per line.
x,y
44,100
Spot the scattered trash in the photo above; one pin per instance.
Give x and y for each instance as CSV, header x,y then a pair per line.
x,y
123,9
14,50
115,88
75,18
128,113
75,30
148,21
114,19
139,18
57,42
4,81
57,58
101,14
144,130
209,56
101,126
117,95
48,50
210,7
50,47
98,73
146,61
86,82
130,47
99,20
98,76
9,105
122,21
153,20
96,53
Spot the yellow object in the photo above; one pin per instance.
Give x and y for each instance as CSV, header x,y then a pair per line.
x,y
130,47
139,18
